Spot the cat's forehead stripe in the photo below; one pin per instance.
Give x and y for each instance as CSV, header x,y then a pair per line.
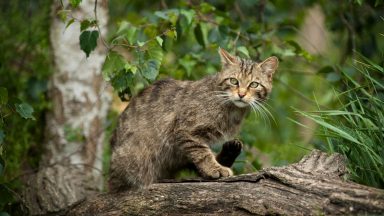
x,y
246,66
241,65
250,71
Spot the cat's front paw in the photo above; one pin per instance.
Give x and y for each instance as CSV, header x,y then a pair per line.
x,y
217,172
232,147
229,153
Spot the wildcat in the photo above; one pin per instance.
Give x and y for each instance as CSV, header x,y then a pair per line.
x,y
172,123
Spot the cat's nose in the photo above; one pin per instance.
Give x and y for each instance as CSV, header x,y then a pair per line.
x,y
241,95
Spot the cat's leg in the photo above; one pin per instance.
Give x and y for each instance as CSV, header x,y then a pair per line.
x,y
129,170
202,157
229,152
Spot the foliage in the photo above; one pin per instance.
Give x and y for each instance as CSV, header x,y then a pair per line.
x,y
88,41
25,110
356,130
24,71
161,35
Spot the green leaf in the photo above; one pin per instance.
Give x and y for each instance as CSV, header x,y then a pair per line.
x,y
130,68
300,51
201,34
243,50
88,41
170,15
188,63
122,82
155,52
294,44
114,62
288,53
189,14
75,3
85,24
342,133
2,136
162,14
130,35
206,8
25,110
63,14
150,70
214,35
159,40
140,44
172,34
4,214
372,64
3,96
69,23
127,31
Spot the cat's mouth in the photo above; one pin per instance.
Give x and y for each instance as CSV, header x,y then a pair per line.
x,y
240,103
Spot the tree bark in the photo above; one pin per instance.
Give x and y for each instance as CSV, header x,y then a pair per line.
x,y
71,164
313,186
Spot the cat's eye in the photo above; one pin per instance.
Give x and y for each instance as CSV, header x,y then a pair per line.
x,y
233,81
254,85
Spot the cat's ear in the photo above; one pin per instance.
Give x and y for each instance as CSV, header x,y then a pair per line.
x,y
269,65
226,58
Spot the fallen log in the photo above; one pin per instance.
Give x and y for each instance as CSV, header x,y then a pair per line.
x,y
313,186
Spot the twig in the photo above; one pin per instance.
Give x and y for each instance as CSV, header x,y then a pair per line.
x,y
98,27
163,4
261,9
235,41
201,17
239,12
144,43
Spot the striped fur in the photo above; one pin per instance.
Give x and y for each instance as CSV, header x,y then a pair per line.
x,y
171,124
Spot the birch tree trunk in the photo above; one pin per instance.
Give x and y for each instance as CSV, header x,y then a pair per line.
x,y
71,165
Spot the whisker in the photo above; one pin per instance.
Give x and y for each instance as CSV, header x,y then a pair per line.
x,y
254,109
262,113
223,96
225,101
266,111
266,118
258,111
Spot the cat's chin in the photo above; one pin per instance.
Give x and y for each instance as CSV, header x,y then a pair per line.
x,y
240,104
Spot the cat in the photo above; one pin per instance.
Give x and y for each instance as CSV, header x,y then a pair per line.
x,y
172,124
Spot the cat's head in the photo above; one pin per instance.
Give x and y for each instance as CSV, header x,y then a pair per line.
x,y
245,82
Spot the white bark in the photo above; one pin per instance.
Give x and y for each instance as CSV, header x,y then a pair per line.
x,y
71,169
79,90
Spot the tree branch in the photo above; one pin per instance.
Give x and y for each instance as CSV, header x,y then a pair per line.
x,y
98,27
313,186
